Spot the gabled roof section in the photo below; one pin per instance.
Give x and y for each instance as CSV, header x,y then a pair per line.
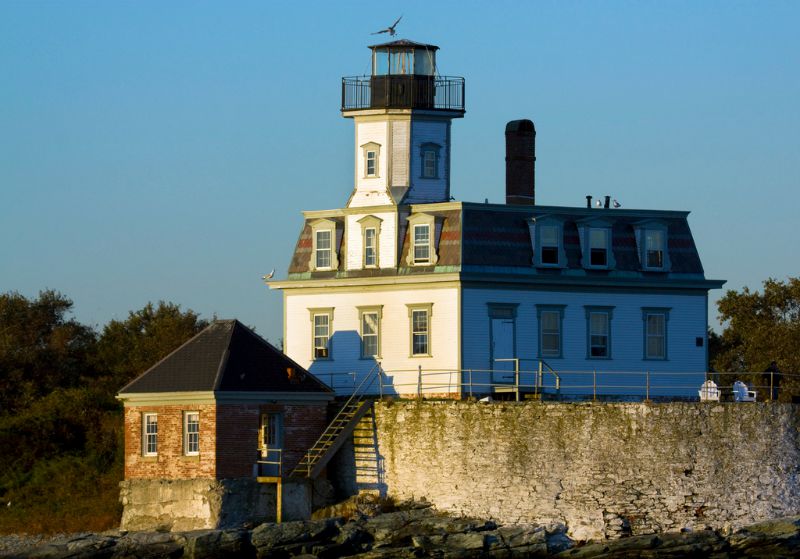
x,y
226,356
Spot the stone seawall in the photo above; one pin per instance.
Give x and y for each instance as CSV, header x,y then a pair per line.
x,y
604,470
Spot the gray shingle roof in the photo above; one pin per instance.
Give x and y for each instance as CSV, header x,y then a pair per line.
x,y
225,356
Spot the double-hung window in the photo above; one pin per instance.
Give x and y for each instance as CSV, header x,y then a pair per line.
x,y
598,332
191,433
371,157
420,323
598,247
429,156
550,319
323,249
422,243
370,332
370,248
654,248
655,332
321,324
422,247
549,244
150,434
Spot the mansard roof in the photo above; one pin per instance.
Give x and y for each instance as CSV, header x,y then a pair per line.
x,y
226,356
495,238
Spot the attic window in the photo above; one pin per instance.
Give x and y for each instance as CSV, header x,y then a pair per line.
x,y
323,250
549,246
422,248
598,247
654,248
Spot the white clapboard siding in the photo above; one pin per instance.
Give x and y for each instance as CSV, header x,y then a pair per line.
x,y
400,152
395,336
371,191
687,321
387,256
429,190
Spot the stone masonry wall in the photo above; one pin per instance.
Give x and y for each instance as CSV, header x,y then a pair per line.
x,y
603,470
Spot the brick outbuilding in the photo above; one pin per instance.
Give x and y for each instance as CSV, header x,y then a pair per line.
x,y
217,413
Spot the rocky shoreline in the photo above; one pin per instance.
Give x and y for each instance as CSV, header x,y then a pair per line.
x,y
418,532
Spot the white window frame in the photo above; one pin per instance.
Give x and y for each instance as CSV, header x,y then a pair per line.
x,y
421,247
377,312
322,254
586,230
418,333
371,153
327,314
322,226
643,231
149,435
536,228
191,438
416,221
368,223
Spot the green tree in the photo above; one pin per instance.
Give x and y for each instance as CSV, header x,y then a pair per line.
x,y
128,348
40,348
761,327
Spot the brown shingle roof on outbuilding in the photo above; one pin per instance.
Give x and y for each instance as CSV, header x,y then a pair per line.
x,y
226,356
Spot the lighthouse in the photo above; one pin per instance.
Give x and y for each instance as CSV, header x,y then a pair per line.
x,y
402,114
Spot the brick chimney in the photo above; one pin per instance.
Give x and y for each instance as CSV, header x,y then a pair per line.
x,y
520,163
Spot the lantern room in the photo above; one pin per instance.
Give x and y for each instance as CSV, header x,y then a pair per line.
x,y
403,58
404,76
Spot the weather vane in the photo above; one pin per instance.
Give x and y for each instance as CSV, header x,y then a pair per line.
x,y
390,30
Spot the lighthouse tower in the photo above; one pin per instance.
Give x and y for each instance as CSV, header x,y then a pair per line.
x,y
402,114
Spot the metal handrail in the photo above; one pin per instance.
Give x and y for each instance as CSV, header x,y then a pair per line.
x,y
410,91
356,394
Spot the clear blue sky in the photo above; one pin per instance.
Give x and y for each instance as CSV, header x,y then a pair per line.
x,y
165,150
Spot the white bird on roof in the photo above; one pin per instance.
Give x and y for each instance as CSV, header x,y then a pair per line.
x,y
617,204
598,204
269,275
390,30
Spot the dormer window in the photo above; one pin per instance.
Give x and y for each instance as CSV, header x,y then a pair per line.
x,y
371,155
422,244
421,250
598,247
549,244
429,153
596,243
654,249
651,241
547,234
323,250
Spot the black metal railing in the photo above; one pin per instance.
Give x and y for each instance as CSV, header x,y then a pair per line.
x,y
403,92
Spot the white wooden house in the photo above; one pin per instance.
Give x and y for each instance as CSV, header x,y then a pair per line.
x,y
453,298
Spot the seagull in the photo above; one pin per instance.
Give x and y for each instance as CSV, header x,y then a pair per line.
x,y
617,204
390,30
598,204
269,275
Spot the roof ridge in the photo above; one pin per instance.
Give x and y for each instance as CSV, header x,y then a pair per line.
x,y
225,354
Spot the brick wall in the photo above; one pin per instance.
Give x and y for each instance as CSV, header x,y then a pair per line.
x,y
170,462
234,426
